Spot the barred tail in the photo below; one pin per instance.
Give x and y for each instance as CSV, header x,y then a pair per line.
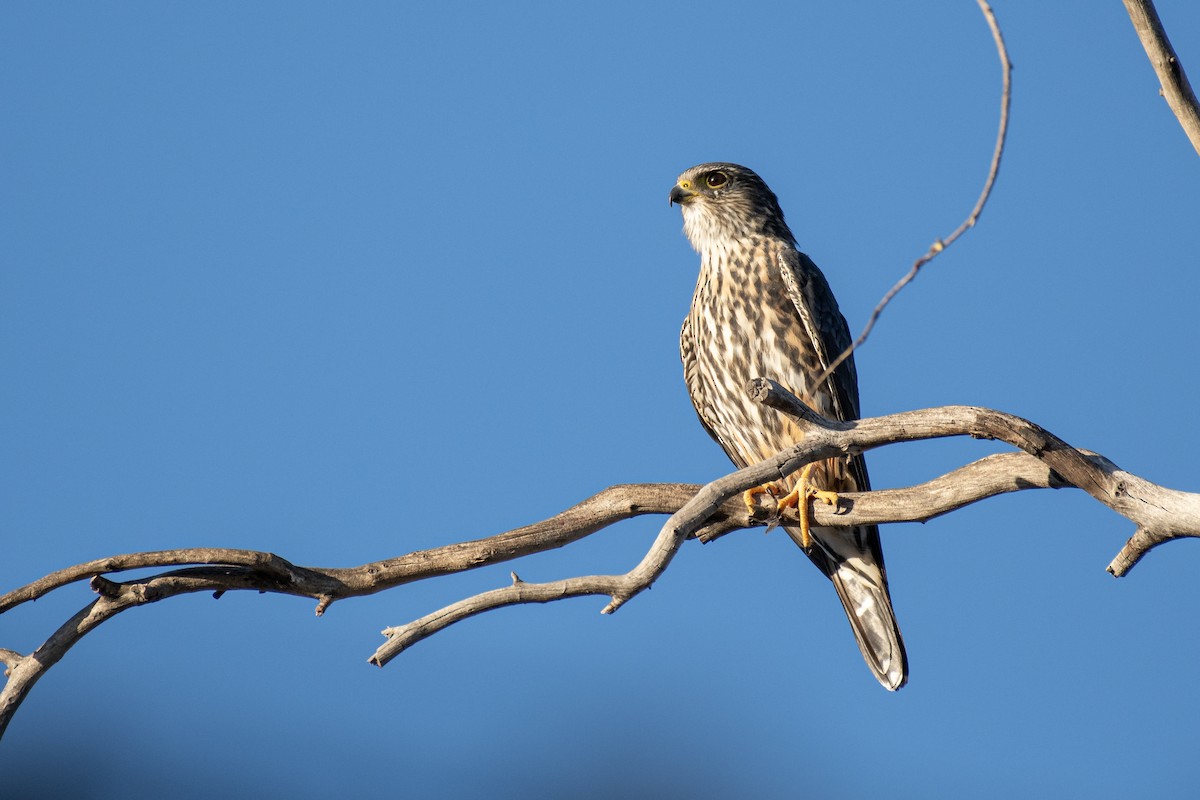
x,y
863,592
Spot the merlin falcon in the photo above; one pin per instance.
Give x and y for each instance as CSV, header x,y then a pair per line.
x,y
763,309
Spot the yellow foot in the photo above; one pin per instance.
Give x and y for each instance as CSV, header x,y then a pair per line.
x,y
749,495
807,492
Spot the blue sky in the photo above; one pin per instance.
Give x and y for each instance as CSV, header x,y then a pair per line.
x,y
342,282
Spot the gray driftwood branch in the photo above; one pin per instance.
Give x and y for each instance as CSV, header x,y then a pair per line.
x,y
707,512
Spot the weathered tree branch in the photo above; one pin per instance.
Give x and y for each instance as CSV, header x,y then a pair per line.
x,y
1161,514
704,512
1176,88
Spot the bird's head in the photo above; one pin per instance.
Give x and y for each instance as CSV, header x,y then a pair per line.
x,y
726,202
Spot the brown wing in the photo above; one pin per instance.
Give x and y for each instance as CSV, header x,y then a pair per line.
x,y
829,336
826,327
851,557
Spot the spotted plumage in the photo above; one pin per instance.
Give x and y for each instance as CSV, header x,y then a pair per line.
x,y
763,309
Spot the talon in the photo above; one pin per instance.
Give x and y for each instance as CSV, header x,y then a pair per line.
x,y
805,490
749,495
828,498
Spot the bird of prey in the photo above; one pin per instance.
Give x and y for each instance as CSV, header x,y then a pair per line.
x,y
763,309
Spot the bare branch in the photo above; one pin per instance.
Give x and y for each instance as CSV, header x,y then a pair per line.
x,y
988,477
1175,87
941,244
620,588
264,563
1161,514
705,512
279,575
1172,514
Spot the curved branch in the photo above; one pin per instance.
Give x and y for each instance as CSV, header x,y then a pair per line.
x,y
705,512
25,671
1176,88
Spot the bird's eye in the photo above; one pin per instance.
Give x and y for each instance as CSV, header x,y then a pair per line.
x,y
715,180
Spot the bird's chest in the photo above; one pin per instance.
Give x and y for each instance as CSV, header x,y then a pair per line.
x,y
745,326
739,337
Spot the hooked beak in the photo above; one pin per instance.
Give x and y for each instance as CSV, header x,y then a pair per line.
x,y
681,195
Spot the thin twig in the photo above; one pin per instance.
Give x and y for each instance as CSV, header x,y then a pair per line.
x,y
941,244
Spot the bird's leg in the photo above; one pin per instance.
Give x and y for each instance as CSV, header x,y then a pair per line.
x,y
799,498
